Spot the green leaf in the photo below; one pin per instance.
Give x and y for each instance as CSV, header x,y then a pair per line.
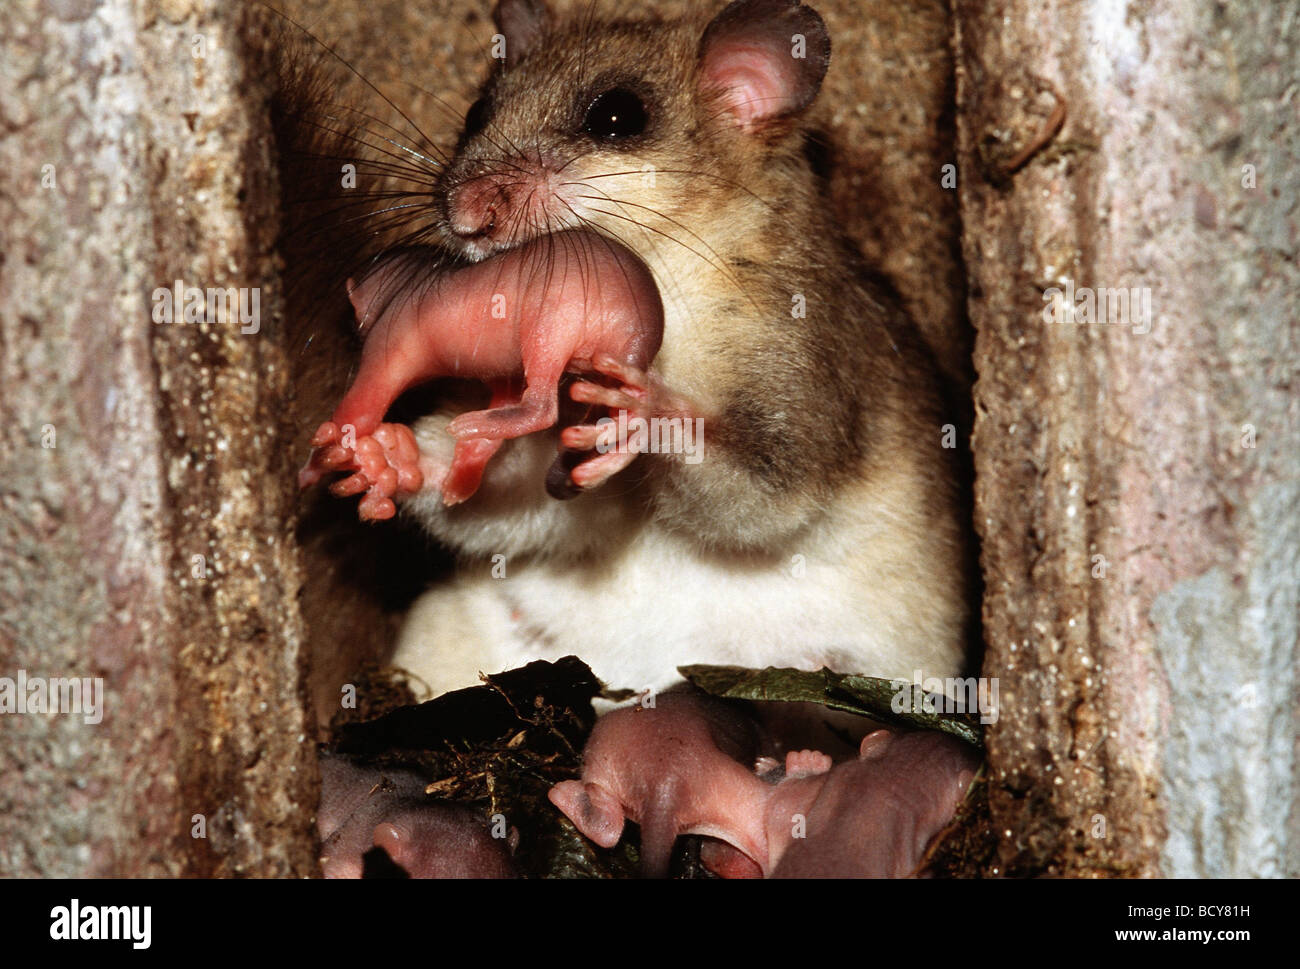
x,y
896,703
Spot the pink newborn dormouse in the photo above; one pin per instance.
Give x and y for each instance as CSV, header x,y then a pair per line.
x,y
693,765
527,314
683,766
363,808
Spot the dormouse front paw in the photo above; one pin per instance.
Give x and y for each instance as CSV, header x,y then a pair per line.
x,y
645,415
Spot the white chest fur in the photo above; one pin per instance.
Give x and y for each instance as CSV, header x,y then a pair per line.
x,y
642,611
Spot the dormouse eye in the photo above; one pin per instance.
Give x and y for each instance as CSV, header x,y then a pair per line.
x,y
476,117
618,113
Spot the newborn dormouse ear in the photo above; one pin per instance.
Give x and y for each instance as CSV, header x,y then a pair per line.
x,y
595,812
764,60
396,842
522,23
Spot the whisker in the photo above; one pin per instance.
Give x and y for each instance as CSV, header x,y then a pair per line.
x,y
435,163
721,265
703,258
401,163
364,80
666,278
686,171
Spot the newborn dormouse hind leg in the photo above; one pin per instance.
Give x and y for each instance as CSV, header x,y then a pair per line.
x,y
536,410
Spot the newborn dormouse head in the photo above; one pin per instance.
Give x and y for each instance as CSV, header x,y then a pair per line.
x,y
634,128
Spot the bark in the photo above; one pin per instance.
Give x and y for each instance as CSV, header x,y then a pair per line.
x,y
1136,491
147,490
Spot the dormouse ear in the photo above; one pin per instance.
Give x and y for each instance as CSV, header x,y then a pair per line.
x,y
766,59
522,23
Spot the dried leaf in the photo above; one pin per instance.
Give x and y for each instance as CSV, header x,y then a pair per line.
x,y
868,696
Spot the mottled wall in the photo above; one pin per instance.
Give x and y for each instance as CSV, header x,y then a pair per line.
x,y
146,483
1137,480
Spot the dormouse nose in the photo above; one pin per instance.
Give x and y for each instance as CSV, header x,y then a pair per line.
x,y
472,209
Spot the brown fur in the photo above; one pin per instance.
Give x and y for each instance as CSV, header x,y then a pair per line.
x,y
823,433
801,405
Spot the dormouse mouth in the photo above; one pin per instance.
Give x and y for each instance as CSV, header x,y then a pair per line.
x,y
478,248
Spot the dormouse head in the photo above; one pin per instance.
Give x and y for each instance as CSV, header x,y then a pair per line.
x,y
638,129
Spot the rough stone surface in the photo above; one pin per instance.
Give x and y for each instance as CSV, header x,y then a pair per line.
x,y
145,493
1139,546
